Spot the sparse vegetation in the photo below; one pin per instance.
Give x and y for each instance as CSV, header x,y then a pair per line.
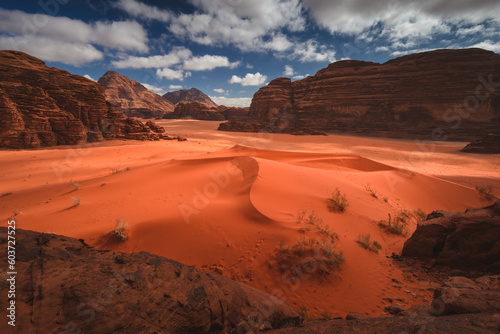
x,y
6,194
75,185
396,226
119,230
314,221
325,315
386,199
17,212
115,171
76,201
337,202
303,313
486,191
311,254
364,241
420,214
373,192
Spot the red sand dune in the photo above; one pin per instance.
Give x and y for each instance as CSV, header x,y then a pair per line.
x,y
218,204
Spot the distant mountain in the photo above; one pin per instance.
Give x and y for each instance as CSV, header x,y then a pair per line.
x,y
134,99
189,95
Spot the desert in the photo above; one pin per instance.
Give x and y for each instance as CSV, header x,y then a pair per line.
x,y
160,198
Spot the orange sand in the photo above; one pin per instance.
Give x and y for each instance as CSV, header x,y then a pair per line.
x,y
224,201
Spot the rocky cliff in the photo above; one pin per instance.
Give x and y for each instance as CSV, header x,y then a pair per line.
x,y
45,106
134,99
457,91
189,95
489,144
196,110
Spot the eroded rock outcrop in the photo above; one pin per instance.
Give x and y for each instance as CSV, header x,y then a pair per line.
x,y
133,98
45,106
489,144
467,241
460,305
65,285
189,95
196,110
456,92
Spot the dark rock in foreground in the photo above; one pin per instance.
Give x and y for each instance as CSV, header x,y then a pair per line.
x,y
63,285
461,305
489,144
464,323
467,241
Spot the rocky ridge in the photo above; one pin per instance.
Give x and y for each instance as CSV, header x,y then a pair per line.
x,y
44,106
189,95
431,95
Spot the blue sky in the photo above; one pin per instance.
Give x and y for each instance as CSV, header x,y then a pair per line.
x,y
231,48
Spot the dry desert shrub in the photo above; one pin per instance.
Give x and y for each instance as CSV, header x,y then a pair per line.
x,y
314,254
337,202
119,230
396,226
486,192
76,201
364,241
372,192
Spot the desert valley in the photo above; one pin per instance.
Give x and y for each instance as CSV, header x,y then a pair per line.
x,y
363,198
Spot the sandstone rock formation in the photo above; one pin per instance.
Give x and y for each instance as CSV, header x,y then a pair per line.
x,y
45,106
467,241
461,295
196,110
133,98
432,95
489,144
189,95
235,113
63,285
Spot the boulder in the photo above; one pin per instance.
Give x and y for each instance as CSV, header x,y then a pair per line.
x,y
467,241
489,144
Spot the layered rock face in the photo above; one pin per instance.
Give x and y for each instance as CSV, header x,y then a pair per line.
x,y
133,98
45,106
455,90
189,95
467,241
64,285
196,110
489,144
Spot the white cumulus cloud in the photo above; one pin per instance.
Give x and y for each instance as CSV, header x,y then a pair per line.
x,y
219,90
250,79
154,89
89,77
